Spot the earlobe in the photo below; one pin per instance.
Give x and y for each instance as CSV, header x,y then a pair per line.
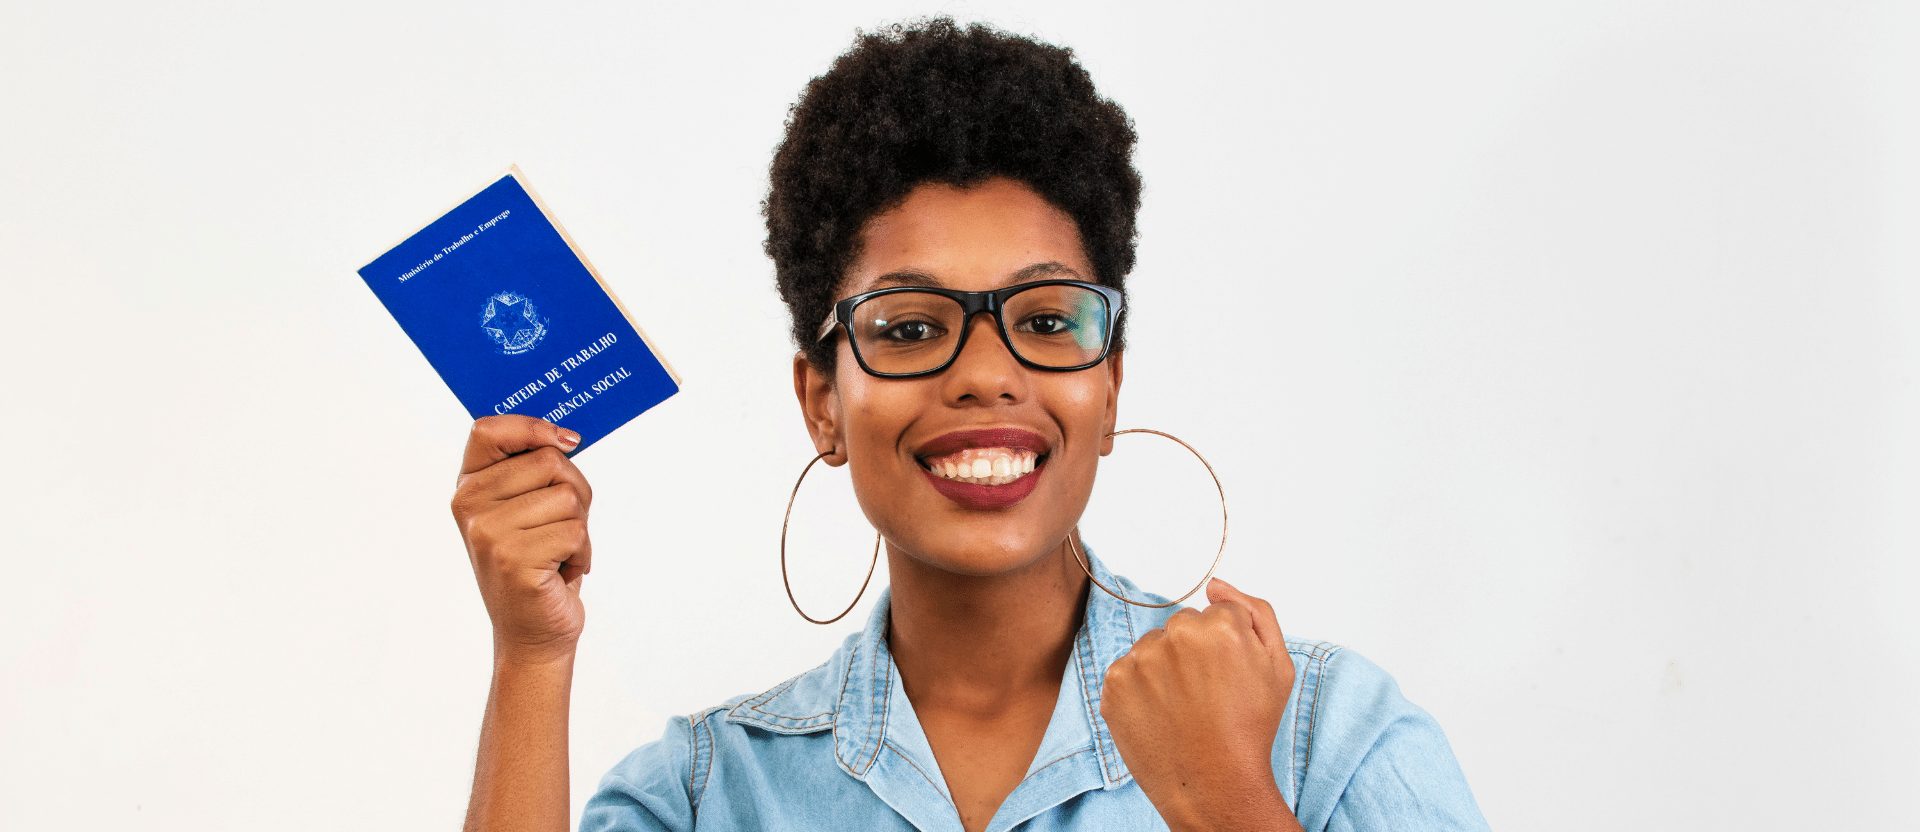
x,y
815,392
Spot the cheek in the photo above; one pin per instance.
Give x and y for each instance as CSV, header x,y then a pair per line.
x,y
874,416
1082,410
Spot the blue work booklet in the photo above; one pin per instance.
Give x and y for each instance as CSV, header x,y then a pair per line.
x,y
514,318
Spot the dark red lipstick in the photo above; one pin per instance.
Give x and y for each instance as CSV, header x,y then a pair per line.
x,y
985,497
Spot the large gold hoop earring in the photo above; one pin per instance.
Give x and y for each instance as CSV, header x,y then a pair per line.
x,y
783,554
1080,559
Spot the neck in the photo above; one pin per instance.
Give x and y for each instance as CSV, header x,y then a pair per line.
x,y
974,643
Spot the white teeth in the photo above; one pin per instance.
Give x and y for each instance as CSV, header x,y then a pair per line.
x,y
986,466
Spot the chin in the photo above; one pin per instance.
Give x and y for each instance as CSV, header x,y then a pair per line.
x,y
979,556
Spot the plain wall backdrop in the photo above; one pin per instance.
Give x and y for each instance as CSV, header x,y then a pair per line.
x,y
1558,356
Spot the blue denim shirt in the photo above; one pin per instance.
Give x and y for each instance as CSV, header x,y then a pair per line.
x,y
838,747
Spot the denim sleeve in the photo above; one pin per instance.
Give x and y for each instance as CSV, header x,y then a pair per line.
x,y
1385,758
648,790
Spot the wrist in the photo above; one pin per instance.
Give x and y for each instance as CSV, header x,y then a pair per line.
x,y
1255,805
510,655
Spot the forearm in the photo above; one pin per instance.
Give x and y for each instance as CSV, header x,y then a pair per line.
x,y
520,778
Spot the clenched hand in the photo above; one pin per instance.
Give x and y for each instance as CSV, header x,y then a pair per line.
x,y
1194,708
522,507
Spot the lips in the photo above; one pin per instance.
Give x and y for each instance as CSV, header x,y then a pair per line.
x,y
961,440
979,496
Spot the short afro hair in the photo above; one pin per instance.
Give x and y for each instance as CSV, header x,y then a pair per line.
x,y
931,101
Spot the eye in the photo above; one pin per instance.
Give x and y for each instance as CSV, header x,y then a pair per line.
x,y
907,332
1046,323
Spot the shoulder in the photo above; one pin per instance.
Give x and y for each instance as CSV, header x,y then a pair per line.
x,y
650,788
662,783
1363,755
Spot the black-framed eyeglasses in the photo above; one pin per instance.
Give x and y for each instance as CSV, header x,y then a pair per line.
x,y
904,331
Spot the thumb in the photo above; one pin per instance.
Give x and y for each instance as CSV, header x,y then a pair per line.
x,y
1219,591
1265,625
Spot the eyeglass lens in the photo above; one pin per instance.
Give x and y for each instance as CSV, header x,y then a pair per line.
x,y
1056,325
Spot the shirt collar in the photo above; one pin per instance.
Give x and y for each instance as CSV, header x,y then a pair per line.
x,y
857,694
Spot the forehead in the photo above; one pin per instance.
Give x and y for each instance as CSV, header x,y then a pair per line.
x,y
981,237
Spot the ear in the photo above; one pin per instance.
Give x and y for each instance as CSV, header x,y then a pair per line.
x,y
1114,372
820,406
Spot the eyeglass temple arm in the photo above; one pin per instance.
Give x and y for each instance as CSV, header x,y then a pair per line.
x,y
826,327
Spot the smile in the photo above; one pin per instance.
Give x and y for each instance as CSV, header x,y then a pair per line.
x,y
985,466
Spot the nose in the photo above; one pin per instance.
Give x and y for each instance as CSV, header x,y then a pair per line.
x,y
985,370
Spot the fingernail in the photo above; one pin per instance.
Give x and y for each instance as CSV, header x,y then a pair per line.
x,y
569,438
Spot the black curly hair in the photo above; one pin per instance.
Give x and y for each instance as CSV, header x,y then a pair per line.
x,y
930,101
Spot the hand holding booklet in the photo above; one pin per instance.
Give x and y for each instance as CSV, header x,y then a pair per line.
x,y
514,318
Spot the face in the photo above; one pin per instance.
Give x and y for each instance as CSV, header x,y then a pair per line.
x,y
889,431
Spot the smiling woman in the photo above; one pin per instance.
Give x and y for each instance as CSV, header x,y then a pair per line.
x,y
951,219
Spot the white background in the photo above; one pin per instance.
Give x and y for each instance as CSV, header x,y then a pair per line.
x,y
1558,356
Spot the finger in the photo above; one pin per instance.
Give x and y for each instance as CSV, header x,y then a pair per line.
x,y
495,438
1149,637
530,471
577,567
541,506
1260,614
560,545
1181,619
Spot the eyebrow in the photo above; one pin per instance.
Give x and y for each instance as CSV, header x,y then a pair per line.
x,y
913,277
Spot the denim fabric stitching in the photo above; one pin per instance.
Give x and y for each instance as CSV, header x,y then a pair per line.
x,y
845,679
1083,650
883,698
770,695
916,766
706,770
776,722
1057,760
1087,696
1302,740
712,742
693,757
1103,737
781,688
1314,721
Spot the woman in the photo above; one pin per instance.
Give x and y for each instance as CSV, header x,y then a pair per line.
x,y
994,685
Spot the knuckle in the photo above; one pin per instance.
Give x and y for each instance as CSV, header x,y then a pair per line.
x,y
479,536
568,535
467,500
1224,621
486,427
